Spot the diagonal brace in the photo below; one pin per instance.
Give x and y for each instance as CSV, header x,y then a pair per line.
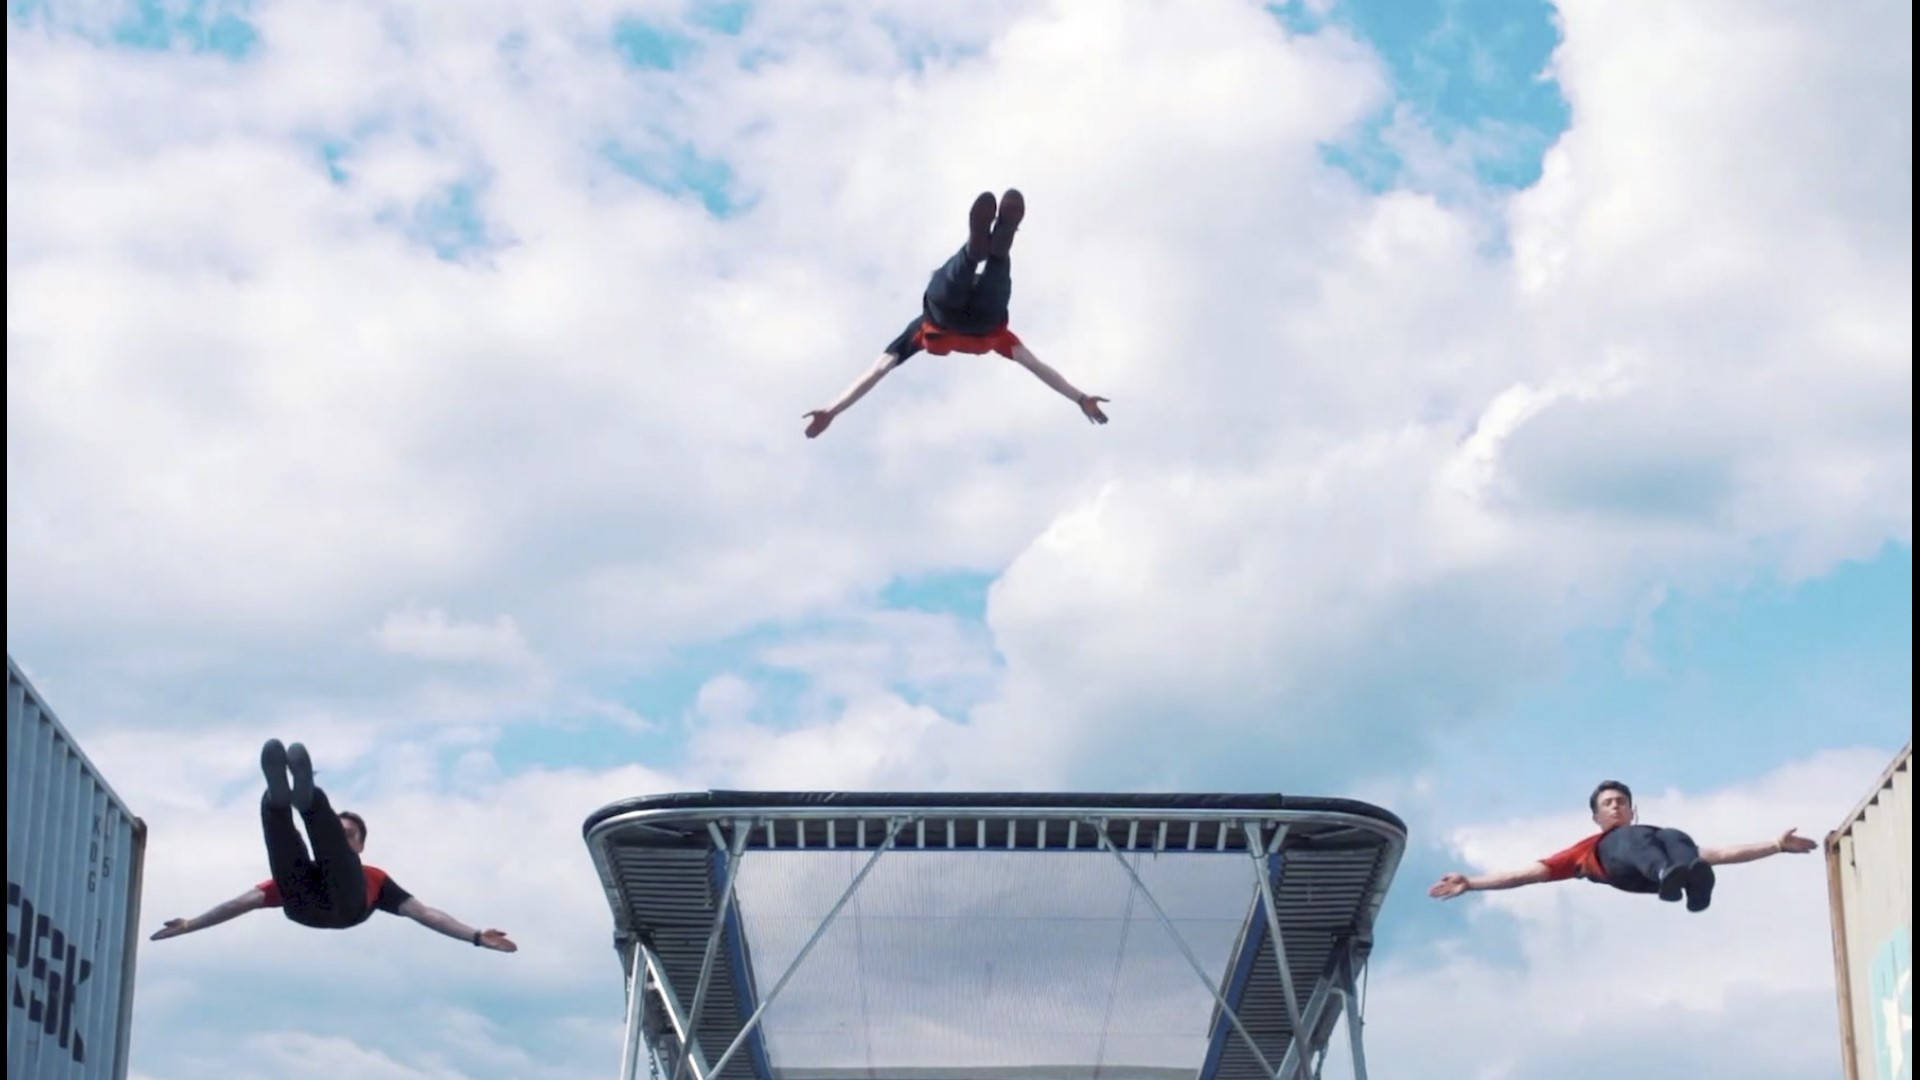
x,y
894,826
1273,919
1226,1010
743,830
670,1000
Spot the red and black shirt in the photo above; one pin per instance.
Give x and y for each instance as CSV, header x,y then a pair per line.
x,y
383,893
924,333
1582,860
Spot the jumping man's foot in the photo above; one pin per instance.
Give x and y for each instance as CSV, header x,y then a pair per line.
x,y
1673,881
273,762
1013,207
1699,885
301,766
980,226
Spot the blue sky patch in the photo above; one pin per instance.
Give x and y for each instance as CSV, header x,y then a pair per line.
x,y
451,222
1470,70
721,16
960,593
216,26
679,169
333,154
1727,684
645,45
195,26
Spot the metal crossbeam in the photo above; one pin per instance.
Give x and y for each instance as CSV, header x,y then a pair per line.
x,y
1226,1010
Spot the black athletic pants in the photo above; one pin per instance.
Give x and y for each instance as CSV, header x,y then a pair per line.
x,y
959,300
1634,855
326,889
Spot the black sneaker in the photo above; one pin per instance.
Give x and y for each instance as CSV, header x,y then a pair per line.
x,y
980,226
1699,885
273,762
301,766
1013,207
1673,881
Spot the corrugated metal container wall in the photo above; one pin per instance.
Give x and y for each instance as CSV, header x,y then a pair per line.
x,y
74,859
1870,884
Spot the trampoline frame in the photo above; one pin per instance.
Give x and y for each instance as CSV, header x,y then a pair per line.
x,y
718,831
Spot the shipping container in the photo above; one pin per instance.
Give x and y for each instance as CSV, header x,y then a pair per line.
x,y
74,860
1870,888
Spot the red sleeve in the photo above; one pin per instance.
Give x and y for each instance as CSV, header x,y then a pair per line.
x,y
1564,864
272,889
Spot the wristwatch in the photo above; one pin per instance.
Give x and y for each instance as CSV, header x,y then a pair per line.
x,y
476,938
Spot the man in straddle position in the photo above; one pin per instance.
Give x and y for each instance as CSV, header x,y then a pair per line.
x,y
965,310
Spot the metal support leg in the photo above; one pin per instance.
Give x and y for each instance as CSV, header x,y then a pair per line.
x,y
1226,1010
636,1015
1349,989
1313,1019
894,826
657,971
1273,920
742,831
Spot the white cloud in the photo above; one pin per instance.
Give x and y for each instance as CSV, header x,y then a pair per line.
x,y
430,635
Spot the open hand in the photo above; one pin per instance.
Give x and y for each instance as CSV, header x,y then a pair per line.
x,y
1090,405
1449,886
173,928
1798,845
498,941
817,422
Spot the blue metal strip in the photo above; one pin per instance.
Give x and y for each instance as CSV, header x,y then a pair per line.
x,y
1236,987
745,994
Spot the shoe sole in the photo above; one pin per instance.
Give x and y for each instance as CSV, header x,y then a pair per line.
x,y
301,766
273,762
980,225
1013,210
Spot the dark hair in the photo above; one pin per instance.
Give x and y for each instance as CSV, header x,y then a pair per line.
x,y
1593,800
357,820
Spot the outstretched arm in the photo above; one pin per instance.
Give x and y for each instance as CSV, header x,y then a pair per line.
x,y
434,919
251,900
1739,853
1089,404
1452,885
818,419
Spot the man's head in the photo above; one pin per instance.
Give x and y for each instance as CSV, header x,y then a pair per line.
x,y
1612,804
356,829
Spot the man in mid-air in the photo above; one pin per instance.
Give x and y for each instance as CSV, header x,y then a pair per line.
x,y
965,310
329,888
1630,857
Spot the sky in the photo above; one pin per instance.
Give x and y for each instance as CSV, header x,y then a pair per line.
x,y
1504,396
